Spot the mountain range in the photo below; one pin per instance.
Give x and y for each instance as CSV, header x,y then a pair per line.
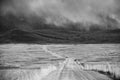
x,y
18,29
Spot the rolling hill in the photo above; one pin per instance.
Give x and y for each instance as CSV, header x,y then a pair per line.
x,y
20,30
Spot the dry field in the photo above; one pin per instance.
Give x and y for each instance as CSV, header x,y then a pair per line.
x,y
66,62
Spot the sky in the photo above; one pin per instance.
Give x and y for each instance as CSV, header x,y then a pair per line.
x,y
62,10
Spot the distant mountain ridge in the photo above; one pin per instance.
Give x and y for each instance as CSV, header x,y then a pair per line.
x,y
22,30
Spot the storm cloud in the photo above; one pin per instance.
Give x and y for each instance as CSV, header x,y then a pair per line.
x,y
56,10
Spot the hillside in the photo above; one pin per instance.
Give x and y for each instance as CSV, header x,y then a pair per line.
x,y
20,30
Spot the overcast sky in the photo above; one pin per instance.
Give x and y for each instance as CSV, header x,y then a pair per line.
x,y
75,10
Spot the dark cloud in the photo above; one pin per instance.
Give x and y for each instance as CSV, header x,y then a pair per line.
x,y
55,10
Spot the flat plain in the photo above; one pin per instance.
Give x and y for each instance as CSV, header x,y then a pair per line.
x,y
35,56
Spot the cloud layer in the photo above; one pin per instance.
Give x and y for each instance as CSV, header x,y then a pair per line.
x,y
74,10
